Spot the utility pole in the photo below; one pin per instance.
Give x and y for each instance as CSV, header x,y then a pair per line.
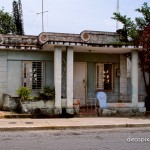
x,y
117,10
42,12
42,18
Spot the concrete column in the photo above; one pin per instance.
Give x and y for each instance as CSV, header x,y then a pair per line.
x,y
134,78
123,74
57,78
70,80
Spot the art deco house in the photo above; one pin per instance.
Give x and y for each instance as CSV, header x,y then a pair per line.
x,y
77,65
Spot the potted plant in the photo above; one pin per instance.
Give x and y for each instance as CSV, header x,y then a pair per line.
x,y
23,94
48,93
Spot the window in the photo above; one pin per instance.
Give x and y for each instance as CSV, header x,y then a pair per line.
x,y
104,76
33,74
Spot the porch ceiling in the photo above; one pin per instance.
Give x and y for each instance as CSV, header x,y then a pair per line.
x,y
90,49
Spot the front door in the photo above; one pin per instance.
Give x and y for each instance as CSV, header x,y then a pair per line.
x,y
80,72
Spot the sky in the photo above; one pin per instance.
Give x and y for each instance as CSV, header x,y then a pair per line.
x,y
73,16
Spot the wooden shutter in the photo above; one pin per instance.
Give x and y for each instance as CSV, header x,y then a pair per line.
x,y
27,74
33,74
99,76
104,76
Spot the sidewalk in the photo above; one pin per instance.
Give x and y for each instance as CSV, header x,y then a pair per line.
x,y
71,123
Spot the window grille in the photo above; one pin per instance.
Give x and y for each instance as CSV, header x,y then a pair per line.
x,y
33,74
104,77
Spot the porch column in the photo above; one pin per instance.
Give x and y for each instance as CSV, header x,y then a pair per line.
x,y
134,78
57,79
123,75
70,80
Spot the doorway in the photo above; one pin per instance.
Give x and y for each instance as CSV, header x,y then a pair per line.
x,y
80,82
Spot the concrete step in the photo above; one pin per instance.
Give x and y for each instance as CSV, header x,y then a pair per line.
x,y
84,112
88,114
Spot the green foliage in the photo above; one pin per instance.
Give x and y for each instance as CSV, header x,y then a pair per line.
x,y
48,93
138,33
132,29
145,20
123,19
24,93
129,31
6,23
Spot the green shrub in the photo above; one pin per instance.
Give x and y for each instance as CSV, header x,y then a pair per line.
x,y
23,93
48,93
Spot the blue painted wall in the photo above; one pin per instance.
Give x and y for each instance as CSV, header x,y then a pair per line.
x,y
11,70
14,68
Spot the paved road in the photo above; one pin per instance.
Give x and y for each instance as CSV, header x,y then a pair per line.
x,y
89,139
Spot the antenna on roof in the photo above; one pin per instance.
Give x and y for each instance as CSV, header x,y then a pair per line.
x,y
42,12
117,10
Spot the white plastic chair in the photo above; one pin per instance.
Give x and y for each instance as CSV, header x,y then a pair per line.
x,y
102,98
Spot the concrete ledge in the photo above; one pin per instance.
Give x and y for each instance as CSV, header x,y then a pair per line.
x,y
123,112
125,105
70,111
57,111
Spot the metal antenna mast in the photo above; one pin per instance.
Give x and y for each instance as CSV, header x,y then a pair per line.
x,y
117,23
42,18
42,12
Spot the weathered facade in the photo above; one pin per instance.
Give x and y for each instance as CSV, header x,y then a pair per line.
x,y
77,65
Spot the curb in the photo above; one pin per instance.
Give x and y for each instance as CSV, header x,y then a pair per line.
x,y
74,127
137,125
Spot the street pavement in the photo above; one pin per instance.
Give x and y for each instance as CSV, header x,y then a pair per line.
x,y
77,139
72,123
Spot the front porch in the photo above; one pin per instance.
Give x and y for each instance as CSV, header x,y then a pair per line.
x,y
79,82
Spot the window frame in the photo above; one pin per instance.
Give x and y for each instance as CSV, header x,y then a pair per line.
x,y
27,74
99,78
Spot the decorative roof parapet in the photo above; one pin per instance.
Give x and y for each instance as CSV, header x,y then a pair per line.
x,y
18,41
89,37
58,37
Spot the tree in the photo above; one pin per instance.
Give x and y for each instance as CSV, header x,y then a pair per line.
x,y
144,21
138,33
145,62
134,29
18,19
6,23
130,32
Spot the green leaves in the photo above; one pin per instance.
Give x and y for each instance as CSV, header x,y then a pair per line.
x,y
129,27
23,93
145,20
6,23
127,22
12,24
48,93
133,28
18,17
